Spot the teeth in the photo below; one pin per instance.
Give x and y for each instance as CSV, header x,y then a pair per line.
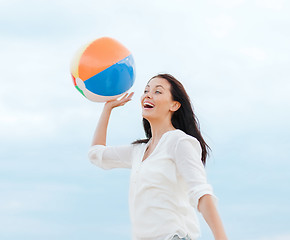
x,y
148,104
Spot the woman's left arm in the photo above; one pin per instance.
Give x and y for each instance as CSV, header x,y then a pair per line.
x,y
207,208
188,161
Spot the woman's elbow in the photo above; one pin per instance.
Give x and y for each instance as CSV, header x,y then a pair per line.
x,y
205,202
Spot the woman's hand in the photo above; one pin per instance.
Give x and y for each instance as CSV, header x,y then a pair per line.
x,y
119,102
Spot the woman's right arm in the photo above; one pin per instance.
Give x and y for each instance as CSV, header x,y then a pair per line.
x,y
100,134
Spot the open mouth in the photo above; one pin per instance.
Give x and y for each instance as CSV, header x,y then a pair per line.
x,y
148,105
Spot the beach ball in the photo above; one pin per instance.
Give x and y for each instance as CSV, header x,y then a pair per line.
x,y
103,70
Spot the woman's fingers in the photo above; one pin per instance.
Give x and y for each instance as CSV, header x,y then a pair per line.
x,y
122,101
131,95
124,96
127,97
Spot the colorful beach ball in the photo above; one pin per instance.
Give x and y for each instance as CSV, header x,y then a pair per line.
x,y
103,70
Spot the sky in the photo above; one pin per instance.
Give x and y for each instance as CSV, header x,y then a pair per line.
x,y
232,57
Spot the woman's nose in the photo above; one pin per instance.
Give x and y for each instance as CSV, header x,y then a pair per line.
x,y
148,95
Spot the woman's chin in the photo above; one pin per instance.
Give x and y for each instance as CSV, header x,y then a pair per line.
x,y
147,116
150,118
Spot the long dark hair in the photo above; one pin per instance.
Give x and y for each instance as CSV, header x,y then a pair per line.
x,y
183,119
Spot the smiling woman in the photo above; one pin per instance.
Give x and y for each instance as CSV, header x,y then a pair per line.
x,y
168,181
166,87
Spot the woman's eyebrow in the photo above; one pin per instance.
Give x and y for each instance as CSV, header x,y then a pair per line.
x,y
159,86
148,86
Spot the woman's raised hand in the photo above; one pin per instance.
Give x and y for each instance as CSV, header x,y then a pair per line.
x,y
119,102
101,130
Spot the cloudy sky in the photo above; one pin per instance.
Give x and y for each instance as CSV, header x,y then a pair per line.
x,y
231,55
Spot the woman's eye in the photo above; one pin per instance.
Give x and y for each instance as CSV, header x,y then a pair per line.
x,y
158,92
145,91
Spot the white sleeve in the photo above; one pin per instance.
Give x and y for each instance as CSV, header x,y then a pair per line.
x,y
190,167
108,157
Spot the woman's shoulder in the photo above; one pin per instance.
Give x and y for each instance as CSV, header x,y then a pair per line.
x,y
178,135
179,139
138,145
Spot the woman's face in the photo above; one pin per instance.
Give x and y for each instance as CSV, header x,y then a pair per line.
x,y
157,100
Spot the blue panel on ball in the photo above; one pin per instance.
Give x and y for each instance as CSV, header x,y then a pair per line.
x,y
114,80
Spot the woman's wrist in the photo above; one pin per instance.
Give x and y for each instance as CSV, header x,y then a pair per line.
x,y
108,107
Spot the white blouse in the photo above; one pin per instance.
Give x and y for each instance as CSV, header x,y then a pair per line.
x,y
164,188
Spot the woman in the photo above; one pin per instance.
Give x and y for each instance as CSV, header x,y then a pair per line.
x,y
168,181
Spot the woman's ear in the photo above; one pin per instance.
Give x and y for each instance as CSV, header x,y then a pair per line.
x,y
175,106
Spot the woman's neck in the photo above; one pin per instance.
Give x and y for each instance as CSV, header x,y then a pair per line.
x,y
158,129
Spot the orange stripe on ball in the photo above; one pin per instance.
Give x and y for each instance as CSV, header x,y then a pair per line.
x,y
99,55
